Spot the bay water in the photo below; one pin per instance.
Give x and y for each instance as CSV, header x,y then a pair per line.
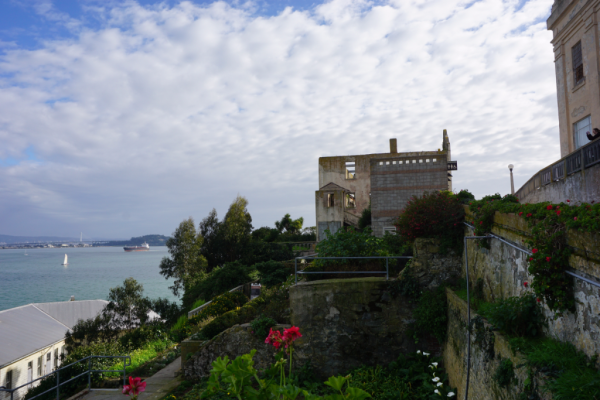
x,y
37,276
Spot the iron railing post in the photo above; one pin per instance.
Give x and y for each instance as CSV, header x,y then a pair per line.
x,y
57,385
124,372
90,373
296,269
387,271
468,319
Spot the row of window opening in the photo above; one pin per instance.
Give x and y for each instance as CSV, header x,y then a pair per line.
x,y
399,162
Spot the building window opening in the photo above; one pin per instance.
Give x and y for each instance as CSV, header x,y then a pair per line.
x,y
29,374
350,200
380,162
387,163
400,162
8,380
330,200
39,366
420,161
435,160
393,162
414,161
56,358
577,63
350,170
579,131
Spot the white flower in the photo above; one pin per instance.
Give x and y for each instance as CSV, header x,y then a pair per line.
x,y
439,384
437,391
434,364
425,354
418,351
436,379
450,394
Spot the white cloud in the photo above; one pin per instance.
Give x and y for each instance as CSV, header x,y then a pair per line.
x,y
165,112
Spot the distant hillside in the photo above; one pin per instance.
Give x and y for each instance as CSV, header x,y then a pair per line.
x,y
8,239
152,240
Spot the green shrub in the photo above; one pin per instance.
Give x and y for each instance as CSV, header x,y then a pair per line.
x,y
406,285
220,305
138,337
431,314
181,329
261,326
272,273
433,215
197,304
365,218
505,373
465,196
520,316
220,280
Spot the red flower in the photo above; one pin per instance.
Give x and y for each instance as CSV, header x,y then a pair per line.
x,y
538,299
568,201
548,259
529,215
549,207
480,222
135,387
274,338
521,213
530,258
291,334
558,212
575,218
534,251
525,284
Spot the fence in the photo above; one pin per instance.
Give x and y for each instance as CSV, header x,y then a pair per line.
x,y
56,373
582,158
386,272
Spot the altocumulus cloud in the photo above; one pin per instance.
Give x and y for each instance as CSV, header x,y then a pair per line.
x,y
162,112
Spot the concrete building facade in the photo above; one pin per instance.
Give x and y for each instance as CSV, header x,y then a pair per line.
x,y
348,184
576,41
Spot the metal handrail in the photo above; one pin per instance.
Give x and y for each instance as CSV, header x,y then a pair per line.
x,y
56,372
387,275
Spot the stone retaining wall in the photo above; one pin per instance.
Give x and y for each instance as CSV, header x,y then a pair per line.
x,y
503,270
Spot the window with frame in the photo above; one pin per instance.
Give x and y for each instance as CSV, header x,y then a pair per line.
x,y
350,170
56,358
579,131
577,57
330,200
39,366
8,380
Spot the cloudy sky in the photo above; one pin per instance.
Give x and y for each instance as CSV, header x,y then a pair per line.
x,y
121,119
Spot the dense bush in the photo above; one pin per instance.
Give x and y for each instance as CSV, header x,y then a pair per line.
x,y
261,326
431,314
465,196
365,218
220,280
220,305
433,215
258,251
272,273
520,316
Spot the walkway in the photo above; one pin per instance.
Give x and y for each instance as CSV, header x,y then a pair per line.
x,y
157,386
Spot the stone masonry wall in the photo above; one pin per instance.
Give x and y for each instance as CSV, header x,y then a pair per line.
x,y
346,323
503,270
488,348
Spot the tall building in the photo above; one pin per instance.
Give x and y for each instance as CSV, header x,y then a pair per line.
x,y
386,181
574,24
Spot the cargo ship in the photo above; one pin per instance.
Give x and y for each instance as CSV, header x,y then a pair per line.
x,y
144,247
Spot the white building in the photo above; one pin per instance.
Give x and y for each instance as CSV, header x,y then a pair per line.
x,y
32,338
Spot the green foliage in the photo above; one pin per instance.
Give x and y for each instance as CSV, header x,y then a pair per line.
x,y
465,197
181,329
185,263
265,234
272,273
258,251
137,338
239,379
219,281
505,373
169,311
433,215
289,225
407,378
127,308
406,285
220,305
549,224
365,218
520,316
431,314
261,326
349,243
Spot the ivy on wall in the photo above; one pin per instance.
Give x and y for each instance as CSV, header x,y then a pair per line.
x,y
549,224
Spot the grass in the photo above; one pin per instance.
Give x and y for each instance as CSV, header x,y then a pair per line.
x,y
141,356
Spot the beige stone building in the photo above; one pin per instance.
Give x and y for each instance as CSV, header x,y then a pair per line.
x,y
574,24
347,184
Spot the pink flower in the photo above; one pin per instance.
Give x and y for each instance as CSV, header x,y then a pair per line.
x,y
521,213
548,259
534,251
549,207
274,338
135,387
291,334
529,214
558,212
575,218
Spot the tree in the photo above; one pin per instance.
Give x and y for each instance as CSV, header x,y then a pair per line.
x,y
291,226
127,307
238,227
186,263
214,243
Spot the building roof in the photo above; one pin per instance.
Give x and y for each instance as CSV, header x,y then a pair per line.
x,y
27,329
333,186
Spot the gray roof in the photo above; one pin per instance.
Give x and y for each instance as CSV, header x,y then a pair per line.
x,y
27,329
69,312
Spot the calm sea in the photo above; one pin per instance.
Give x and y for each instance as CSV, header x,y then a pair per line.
x,y
39,277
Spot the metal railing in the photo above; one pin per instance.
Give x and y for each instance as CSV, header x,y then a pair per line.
x,y
56,372
246,288
582,158
386,272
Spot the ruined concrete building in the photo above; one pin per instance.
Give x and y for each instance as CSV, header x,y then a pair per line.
x,y
387,180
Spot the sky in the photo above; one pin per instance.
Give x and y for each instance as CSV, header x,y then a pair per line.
x,y
122,118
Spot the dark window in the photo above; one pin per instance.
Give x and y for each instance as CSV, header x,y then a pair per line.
x,y
39,366
330,200
55,358
8,383
577,63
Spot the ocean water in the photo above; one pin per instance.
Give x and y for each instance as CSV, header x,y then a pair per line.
x,y
39,277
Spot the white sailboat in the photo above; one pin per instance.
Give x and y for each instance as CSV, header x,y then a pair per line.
x,y
66,261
